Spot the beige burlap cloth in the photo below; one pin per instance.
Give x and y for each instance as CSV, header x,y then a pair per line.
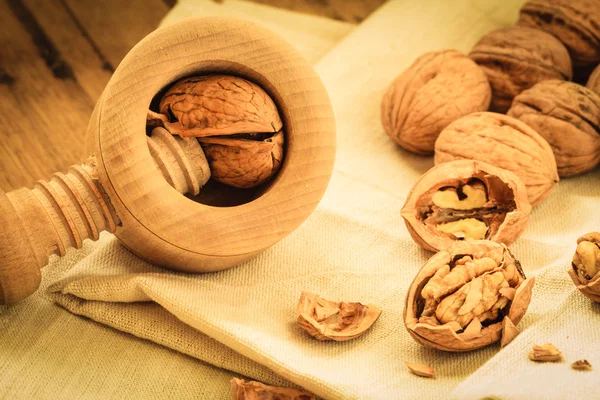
x,y
354,247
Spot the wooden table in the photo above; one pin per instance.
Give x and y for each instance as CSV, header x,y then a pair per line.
x,y
57,56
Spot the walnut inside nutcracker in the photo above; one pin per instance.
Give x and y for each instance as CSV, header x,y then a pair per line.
x,y
236,122
460,299
465,200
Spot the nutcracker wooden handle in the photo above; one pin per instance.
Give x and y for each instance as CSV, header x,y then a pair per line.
x,y
67,209
134,187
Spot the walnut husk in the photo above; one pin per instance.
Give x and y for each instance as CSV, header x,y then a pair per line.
x,y
329,320
457,301
585,268
436,89
516,58
593,82
236,122
505,211
504,142
251,390
567,115
575,23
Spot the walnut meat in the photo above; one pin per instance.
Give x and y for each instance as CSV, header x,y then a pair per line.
x,y
594,82
516,58
436,89
575,23
459,299
585,268
242,390
236,122
567,115
465,200
329,320
504,142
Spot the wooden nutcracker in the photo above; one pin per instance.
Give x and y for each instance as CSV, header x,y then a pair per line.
x,y
132,184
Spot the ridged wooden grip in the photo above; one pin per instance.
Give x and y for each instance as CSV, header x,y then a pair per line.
x,y
67,209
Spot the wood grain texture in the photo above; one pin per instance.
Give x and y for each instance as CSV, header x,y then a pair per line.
x,y
354,11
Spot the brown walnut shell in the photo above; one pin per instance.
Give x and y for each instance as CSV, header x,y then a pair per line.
x,y
567,115
236,122
594,82
502,213
251,390
585,268
504,142
459,299
516,58
436,89
576,23
330,320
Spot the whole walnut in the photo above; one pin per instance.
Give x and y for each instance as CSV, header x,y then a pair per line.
x,y
585,268
567,115
516,58
576,23
504,142
460,298
436,89
235,121
465,200
593,82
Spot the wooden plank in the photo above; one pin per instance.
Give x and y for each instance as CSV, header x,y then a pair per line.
x,y
354,11
44,112
117,25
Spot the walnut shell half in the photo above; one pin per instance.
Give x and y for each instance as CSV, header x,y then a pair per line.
x,y
576,23
330,320
516,58
459,299
466,200
585,268
567,115
504,142
436,89
594,82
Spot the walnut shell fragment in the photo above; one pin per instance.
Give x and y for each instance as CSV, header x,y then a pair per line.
x,y
585,268
516,58
504,142
567,115
251,390
544,353
594,82
509,331
436,89
236,122
459,299
575,23
582,365
465,200
420,369
329,320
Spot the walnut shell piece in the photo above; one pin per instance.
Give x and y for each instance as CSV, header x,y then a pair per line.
x,y
594,82
545,353
585,268
464,200
575,23
436,89
329,320
236,122
251,390
423,370
582,365
567,115
516,58
504,142
458,300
